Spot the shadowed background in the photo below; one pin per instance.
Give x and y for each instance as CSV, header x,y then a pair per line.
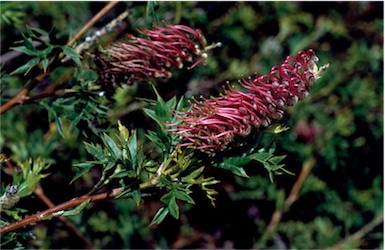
x,y
340,126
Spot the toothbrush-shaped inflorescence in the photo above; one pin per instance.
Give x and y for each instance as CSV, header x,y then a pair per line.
x,y
140,59
211,124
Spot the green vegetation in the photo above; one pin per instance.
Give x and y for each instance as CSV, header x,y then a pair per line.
x,y
313,181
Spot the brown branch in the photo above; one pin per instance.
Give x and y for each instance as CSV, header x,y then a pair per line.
x,y
52,212
23,94
39,192
88,25
360,233
96,36
293,196
56,211
43,95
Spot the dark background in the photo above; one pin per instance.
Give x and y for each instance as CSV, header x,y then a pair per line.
x,y
340,125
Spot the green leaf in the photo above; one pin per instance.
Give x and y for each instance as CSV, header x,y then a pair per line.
x,y
26,67
132,149
179,107
113,148
83,168
13,213
121,173
260,156
233,168
52,115
167,197
180,104
267,165
59,125
277,167
160,215
53,35
30,175
171,103
44,63
70,52
153,115
76,121
77,209
173,207
109,165
38,31
287,171
150,163
151,8
152,136
238,161
86,75
194,174
182,195
162,112
277,159
25,50
44,54
137,196
205,182
123,131
165,180
28,43
96,152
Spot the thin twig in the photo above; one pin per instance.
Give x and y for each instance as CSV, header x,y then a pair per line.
x,y
90,40
90,23
59,209
360,233
22,95
47,94
293,196
39,192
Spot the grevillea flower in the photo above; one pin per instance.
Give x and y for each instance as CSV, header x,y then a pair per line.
x,y
140,59
211,124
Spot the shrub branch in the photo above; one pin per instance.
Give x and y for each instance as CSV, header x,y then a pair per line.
x,y
22,96
293,196
114,193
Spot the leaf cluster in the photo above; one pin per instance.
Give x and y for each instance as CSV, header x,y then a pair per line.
x,y
25,181
42,57
122,159
340,125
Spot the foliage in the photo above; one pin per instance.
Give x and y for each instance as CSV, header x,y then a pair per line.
x,y
164,196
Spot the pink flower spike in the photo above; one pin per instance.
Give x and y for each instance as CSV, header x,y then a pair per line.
x,y
164,48
211,124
